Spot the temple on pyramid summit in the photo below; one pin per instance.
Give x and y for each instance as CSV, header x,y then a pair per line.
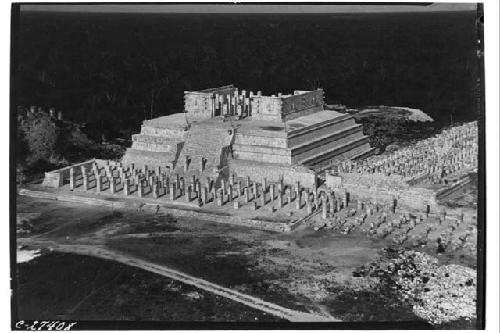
x,y
288,137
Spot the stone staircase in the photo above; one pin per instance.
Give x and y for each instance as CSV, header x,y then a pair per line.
x,y
159,142
208,142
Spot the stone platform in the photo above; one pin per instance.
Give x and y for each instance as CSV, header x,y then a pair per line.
x,y
316,141
159,142
224,131
252,152
272,206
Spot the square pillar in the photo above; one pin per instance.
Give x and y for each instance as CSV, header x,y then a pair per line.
x,y
126,189
72,178
112,185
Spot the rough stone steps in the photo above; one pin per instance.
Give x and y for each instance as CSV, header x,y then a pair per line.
x,y
322,160
205,141
332,135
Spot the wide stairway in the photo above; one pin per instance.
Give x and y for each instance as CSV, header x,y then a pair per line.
x,y
207,142
159,142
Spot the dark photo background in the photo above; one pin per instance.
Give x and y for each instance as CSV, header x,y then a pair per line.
x,y
112,70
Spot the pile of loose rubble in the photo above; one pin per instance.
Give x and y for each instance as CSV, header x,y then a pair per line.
x,y
438,294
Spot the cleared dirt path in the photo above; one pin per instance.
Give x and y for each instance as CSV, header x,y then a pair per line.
x,y
254,302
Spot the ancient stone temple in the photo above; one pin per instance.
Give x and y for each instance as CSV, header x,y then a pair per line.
x,y
225,131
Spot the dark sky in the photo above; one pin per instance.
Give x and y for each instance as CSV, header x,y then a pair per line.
x,y
248,8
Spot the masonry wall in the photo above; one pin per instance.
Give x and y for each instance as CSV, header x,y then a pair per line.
x,y
273,173
384,189
163,132
414,198
302,103
266,108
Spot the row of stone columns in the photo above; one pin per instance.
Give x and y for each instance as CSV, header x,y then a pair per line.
x,y
445,154
134,181
235,103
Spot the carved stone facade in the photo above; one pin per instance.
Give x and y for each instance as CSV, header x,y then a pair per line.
x,y
230,101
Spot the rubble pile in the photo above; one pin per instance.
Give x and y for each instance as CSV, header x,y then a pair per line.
x,y
438,294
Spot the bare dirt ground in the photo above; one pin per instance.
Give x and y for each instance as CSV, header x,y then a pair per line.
x,y
88,288
305,270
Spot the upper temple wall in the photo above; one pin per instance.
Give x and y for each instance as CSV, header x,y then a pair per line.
x,y
287,107
201,105
228,100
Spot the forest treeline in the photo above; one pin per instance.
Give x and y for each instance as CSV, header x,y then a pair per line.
x,y
111,71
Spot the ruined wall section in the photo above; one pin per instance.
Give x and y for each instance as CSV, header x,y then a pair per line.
x,y
384,189
267,108
302,103
200,105
274,172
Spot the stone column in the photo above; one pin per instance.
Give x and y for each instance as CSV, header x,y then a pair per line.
x,y
72,178
309,207
212,195
172,191
333,204
187,193
324,209
155,189
126,189
140,189
85,182
204,195
112,185
236,204
263,198
177,180
83,170
182,187
298,204
280,200
238,189
98,183
246,195
166,183
254,185
288,196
